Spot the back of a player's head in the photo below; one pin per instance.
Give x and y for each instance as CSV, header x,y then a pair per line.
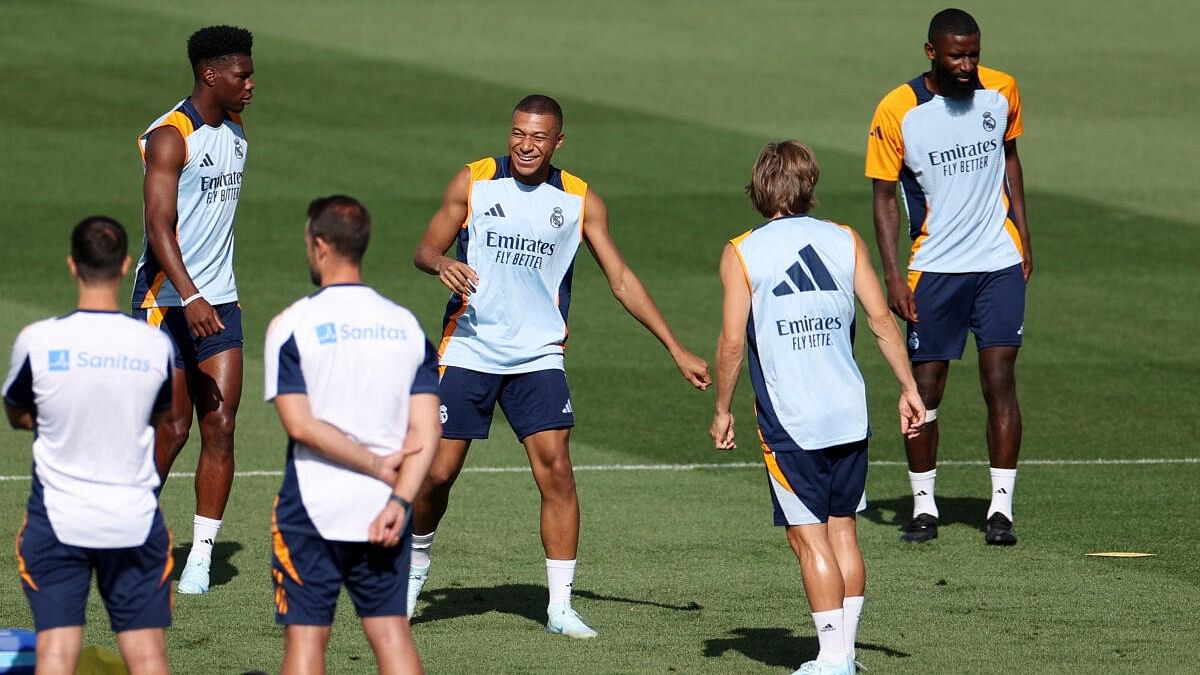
x,y
341,222
98,247
784,179
952,22
216,43
540,104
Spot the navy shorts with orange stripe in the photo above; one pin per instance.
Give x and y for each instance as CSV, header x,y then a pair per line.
x,y
309,573
809,486
989,304
135,583
191,351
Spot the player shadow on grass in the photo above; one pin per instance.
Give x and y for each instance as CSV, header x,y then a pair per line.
x,y
526,600
779,647
951,510
221,572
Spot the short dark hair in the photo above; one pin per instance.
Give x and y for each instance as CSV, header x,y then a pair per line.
x,y
343,223
540,104
952,22
217,42
784,179
98,247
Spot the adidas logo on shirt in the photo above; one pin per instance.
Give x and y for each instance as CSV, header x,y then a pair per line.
x,y
820,279
207,161
496,211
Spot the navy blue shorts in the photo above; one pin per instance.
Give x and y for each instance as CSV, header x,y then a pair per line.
x,y
191,351
135,583
989,304
309,573
809,486
532,402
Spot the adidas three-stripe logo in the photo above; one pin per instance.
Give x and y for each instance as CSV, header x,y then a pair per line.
x,y
821,279
207,161
496,211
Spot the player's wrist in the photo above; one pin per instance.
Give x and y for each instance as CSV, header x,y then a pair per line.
x,y
404,503
192,298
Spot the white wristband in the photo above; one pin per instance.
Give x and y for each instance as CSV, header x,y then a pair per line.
x,y
191,298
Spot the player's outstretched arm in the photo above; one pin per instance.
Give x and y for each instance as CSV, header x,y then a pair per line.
x,y
887,234
1016,195
329,441
166,153
632,295
443,229
735,310
420,445
888,338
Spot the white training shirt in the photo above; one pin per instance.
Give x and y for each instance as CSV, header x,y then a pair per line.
x,y
358,357
809,392
95,379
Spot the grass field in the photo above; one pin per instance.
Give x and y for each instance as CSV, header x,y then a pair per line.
x,y
666,105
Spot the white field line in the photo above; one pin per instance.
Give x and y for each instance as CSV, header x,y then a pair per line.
x,y
746,465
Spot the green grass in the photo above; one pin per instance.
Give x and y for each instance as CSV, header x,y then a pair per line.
x,y
667,104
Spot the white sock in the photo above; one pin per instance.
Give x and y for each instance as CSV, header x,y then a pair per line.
x,y
1004,481
830,636
204,535
922,489
560,574
421,545
852,608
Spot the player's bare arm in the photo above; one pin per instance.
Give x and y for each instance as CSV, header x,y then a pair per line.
x,y
887,234
329,441
166,153
632,295
420,445
735,311
888,338
1016,189
440,235
20,417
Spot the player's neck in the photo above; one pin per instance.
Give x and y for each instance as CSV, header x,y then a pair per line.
x,y
210,111
98,297
342,274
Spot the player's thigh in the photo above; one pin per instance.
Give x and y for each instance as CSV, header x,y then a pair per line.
x,y
216,384
135,583
377,577
308,576
998,313
468,400
944,311
55,576
537,401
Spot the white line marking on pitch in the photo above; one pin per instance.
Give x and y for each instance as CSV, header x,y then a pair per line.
x,y
746,465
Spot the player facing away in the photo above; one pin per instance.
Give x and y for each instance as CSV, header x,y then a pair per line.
x,y
90,385
518,221
949,137
789,290
355,384
184,285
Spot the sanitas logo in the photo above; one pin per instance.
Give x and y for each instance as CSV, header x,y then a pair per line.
x,y
59,359
328,333
112,362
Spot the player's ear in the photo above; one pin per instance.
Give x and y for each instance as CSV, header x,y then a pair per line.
x,y
559,142
125,266
930,52
209,75
71,266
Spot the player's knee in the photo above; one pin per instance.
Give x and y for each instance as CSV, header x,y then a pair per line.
x,y
216,429
440,478
174,431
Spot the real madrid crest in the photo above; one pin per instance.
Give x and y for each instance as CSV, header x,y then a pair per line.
x,y
989,122
556,218
237,148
